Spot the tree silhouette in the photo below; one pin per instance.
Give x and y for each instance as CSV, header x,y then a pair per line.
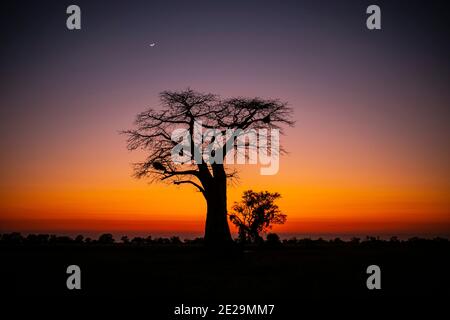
x,y
106,238
79,238
256,213
273,239
183,109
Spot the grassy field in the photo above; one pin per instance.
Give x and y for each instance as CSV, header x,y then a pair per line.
x,y
245,274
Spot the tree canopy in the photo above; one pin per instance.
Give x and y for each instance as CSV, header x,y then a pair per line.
x,y
256,213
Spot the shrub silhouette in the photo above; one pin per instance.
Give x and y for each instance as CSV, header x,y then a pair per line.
x,y
137,241
125,240
273,239
12,238
175,240
37,238
106,238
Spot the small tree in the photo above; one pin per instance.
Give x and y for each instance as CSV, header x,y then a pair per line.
x,y
256,213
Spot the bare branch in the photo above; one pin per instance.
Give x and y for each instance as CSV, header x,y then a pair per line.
x,y
191,182
180,110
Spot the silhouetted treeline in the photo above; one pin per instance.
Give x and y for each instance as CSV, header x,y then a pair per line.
x,y
272,239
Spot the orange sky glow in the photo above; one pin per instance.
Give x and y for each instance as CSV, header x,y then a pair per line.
x,y
369,153
322,193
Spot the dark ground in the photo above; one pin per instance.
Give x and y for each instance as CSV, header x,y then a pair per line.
x,y
288,274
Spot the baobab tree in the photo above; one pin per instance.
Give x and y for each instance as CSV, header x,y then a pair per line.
x,y
154,130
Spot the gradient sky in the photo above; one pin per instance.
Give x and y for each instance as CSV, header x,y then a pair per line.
x,y
369,154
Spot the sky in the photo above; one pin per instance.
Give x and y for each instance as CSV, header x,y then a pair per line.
x,y
369,154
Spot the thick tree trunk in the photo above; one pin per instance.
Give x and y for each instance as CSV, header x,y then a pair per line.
x,y
217,231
